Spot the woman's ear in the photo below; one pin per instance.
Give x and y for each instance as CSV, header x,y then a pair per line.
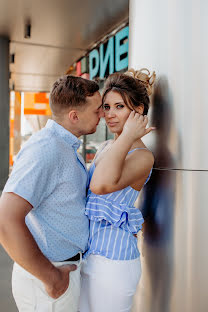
x,y
73,117
140,109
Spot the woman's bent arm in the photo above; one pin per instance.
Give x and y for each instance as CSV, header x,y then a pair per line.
x,y
115,171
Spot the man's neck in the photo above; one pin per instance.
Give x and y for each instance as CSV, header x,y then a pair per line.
x,y
67,127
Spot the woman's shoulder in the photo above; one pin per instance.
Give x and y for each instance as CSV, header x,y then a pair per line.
x,y
103,146
142,150
142,154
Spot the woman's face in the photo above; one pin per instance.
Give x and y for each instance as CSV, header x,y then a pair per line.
x,y
116,111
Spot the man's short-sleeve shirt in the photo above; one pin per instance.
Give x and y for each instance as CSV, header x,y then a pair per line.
x,y
50,174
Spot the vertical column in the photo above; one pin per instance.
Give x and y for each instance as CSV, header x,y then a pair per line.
x,y
170,37
4,110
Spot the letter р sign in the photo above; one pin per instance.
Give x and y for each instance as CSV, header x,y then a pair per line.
x,y
111,56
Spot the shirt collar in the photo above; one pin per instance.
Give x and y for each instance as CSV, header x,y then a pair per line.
x,y
65,134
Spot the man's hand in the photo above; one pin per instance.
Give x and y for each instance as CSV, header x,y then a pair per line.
x,y
23,249
60,282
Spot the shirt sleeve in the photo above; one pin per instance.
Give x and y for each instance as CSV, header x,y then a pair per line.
x,y
34,173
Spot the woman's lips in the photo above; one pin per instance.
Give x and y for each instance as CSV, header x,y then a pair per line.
x,y
112,124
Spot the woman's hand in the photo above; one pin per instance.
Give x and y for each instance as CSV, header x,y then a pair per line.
x,y
135,126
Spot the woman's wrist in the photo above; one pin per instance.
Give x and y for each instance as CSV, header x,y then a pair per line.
x,y
128,137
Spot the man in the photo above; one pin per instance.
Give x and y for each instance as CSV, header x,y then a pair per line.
x,y
42,222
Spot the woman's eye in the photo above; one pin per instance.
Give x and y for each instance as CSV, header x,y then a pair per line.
x,y
120,106
106,107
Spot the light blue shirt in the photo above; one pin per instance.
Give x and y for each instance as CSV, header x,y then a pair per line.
x,y
113,222
51,175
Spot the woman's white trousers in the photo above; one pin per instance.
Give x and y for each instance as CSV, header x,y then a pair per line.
x,y
108,285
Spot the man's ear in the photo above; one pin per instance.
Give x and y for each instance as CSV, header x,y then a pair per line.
x,y
73,116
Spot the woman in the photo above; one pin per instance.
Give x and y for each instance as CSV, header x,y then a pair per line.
x,y
111,270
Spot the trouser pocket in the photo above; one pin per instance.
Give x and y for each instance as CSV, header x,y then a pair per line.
x,y
30,294
68,302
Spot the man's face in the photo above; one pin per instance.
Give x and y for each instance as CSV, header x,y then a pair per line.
x,y
90,115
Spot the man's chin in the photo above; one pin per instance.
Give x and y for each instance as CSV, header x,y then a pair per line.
x,y
92,131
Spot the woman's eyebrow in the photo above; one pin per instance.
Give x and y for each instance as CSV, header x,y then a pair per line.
x,y
122,102
115,103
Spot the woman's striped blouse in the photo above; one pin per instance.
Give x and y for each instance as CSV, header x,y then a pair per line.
x,y
113,221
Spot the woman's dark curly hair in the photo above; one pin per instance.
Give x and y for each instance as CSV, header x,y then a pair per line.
x,y
135,87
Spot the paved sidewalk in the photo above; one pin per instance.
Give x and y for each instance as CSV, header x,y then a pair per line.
x,y
7,303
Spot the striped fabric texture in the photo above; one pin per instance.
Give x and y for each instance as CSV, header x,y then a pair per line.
x,y
113,221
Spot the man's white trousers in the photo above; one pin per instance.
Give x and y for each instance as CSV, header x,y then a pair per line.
x,y
30,295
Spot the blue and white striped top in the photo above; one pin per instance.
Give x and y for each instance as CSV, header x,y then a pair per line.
x,y
113,221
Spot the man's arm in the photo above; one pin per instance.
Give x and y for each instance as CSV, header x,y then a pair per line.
x,y
22,248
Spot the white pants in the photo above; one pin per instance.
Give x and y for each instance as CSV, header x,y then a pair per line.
x,y
30,295
108,285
